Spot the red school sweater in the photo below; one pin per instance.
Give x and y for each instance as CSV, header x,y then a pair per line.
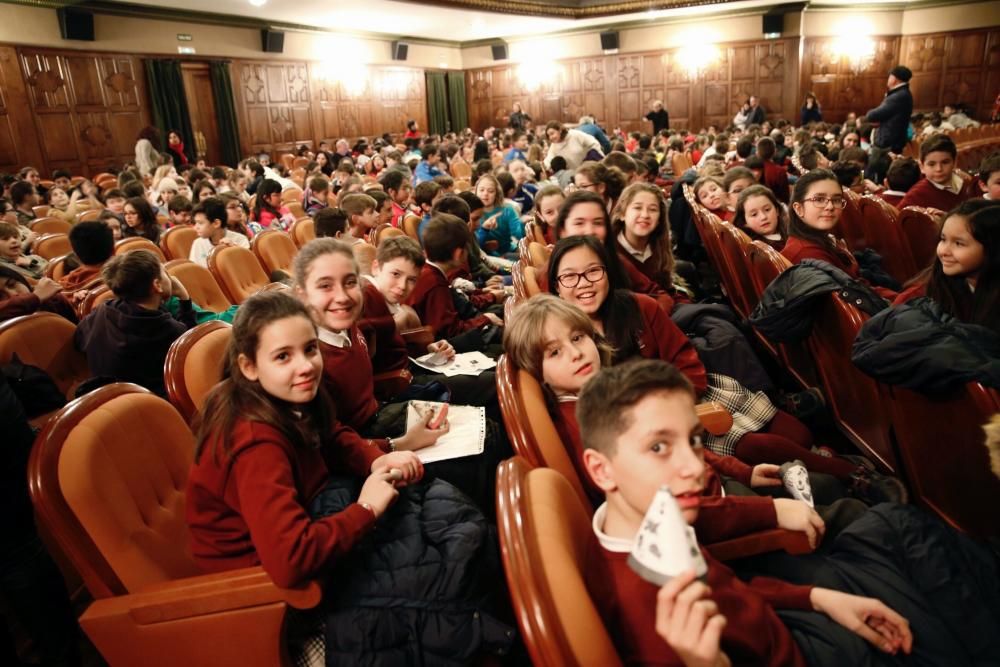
x,y
797,249
390,348
348,376
753,635
432,300
926,194
249,509
660,338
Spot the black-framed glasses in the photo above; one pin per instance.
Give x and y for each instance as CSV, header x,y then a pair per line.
x,y
593,275
821,201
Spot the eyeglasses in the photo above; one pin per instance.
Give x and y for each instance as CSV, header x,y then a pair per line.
x,y
592,275
821,201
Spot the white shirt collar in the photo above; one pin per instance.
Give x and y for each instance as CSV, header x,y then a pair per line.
x,y
641,255
443,272
335,338
393,307
954,186
613,544
567,398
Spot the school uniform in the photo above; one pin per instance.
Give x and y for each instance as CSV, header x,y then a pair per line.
x,y
377,317
644,275
432,300
892,197
347,374
248,508
776,178
797,249
928,194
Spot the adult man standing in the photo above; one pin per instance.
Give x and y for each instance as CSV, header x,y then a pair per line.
x,y
893,115
756,116
659,117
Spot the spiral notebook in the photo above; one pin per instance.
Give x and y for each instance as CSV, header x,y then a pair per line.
x,y
466,435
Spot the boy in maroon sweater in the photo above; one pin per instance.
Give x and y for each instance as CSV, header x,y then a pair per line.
x,y
446,240
641,433
941,187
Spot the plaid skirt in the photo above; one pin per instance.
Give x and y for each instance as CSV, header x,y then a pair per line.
x,y
751,410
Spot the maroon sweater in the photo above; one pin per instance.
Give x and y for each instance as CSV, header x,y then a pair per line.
x,y
926,194
797,249
26,304
249,509
754,635
640,282
390,348
348,376
432,300
776,178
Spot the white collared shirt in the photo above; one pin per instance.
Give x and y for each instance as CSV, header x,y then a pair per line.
x,y
393,307
954,186
335,338
641,255
443,272
613,544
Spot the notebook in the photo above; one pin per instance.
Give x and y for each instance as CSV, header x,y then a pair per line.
x,y
465,363
466,435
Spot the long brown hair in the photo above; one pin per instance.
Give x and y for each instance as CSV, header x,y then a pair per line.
x,y
740,219
659,240
237,398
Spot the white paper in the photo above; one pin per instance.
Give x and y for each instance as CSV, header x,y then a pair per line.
x,y
466,363
466,431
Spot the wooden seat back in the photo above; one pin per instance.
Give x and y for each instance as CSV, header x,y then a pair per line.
x,y
735,245
50,226
921,228
884,235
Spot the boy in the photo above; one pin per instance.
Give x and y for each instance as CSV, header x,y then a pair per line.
x,y
62,179
330,223
524,194
361,216
397,185
210,223
23,196
518,146
114,201
317,196
93,244
941,187
446,183
902,175
31,267
383,205
461,206
446,241
128,337
640,433
775,177
989,177
179,209
424,196
427,169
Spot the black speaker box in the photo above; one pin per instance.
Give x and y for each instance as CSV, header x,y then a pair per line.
x,y
609,40
272,41
500,51
75,23
773,23
400,50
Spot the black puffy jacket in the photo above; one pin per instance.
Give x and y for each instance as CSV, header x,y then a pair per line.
x,y
421,589
919,346
785,311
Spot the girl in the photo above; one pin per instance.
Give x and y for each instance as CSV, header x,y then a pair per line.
x,y
547,204
811,113
499,222
637,327
817,204
202,190
140,220
323,163
236,215
605,181
268,210
18,298
175,147
761,216
710,192
642,233
965,275
328,281
375,166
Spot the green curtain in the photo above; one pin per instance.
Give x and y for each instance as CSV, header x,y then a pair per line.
x,y
456,101
170,108
437,103
225,113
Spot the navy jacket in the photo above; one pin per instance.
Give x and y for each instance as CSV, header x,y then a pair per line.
x,y
893,116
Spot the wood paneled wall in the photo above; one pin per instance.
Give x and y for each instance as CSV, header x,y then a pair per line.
x,y
947,68
69,109
283,104
618,90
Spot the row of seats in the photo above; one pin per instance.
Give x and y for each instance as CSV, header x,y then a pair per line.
x,y
973,144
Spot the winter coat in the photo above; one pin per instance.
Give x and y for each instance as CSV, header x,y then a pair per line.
x,y
419,590
893,116
714,331
919,346
785,311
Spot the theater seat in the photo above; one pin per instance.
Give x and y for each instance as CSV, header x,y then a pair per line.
x,y
735,245
851,226
200,285
176,242
385,231
45,340
921,229
138,243
50,226
95,297
302,231
884,235
50,246
194,365
115,507
237,272
56,268
275,250
547,544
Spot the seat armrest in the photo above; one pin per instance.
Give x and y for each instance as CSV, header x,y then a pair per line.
x,y
417,340
794,542
714,417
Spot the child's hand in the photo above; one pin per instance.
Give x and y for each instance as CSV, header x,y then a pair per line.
x,y
23,260
444,347
379,491
178,290
30,238
765,474
409,466
493,319
495,282
421,435
796,515
79,296
868,618
226,242
46,288
490,222
690,622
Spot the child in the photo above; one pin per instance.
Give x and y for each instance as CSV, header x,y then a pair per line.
x,y
31,267
93,244
446,242
317,195
710,192
383,206
331,223
360,211
397,185
525,192
268,210
446,183
424,196
140,220
602,179
209,222
642,233
114,201
24,197
902,175
548,201
128,337
817,204
736,181
428,167
775,177
179,210
500,221
941,188
761,216
965,273
989,178
18,298
518,146
479,270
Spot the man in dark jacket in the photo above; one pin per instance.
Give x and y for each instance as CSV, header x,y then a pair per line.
x,y
893,115
757,115
659,117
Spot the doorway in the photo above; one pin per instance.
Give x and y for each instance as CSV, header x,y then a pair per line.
x,y
201,107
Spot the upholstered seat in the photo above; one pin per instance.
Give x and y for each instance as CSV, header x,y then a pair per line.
x,y
51,246
138,243
885,235
176,242
50,226
194,365
95,297
921,229
735,247
275,250
302,231
200,285
45,340
237,272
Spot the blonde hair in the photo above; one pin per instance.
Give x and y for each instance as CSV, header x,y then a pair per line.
x,y
524,335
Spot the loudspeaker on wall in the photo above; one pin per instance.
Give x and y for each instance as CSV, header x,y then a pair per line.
x,y
500,51
400,50
609,40
272,41
75,23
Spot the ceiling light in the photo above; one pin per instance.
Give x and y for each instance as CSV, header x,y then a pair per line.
x,y
258,3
